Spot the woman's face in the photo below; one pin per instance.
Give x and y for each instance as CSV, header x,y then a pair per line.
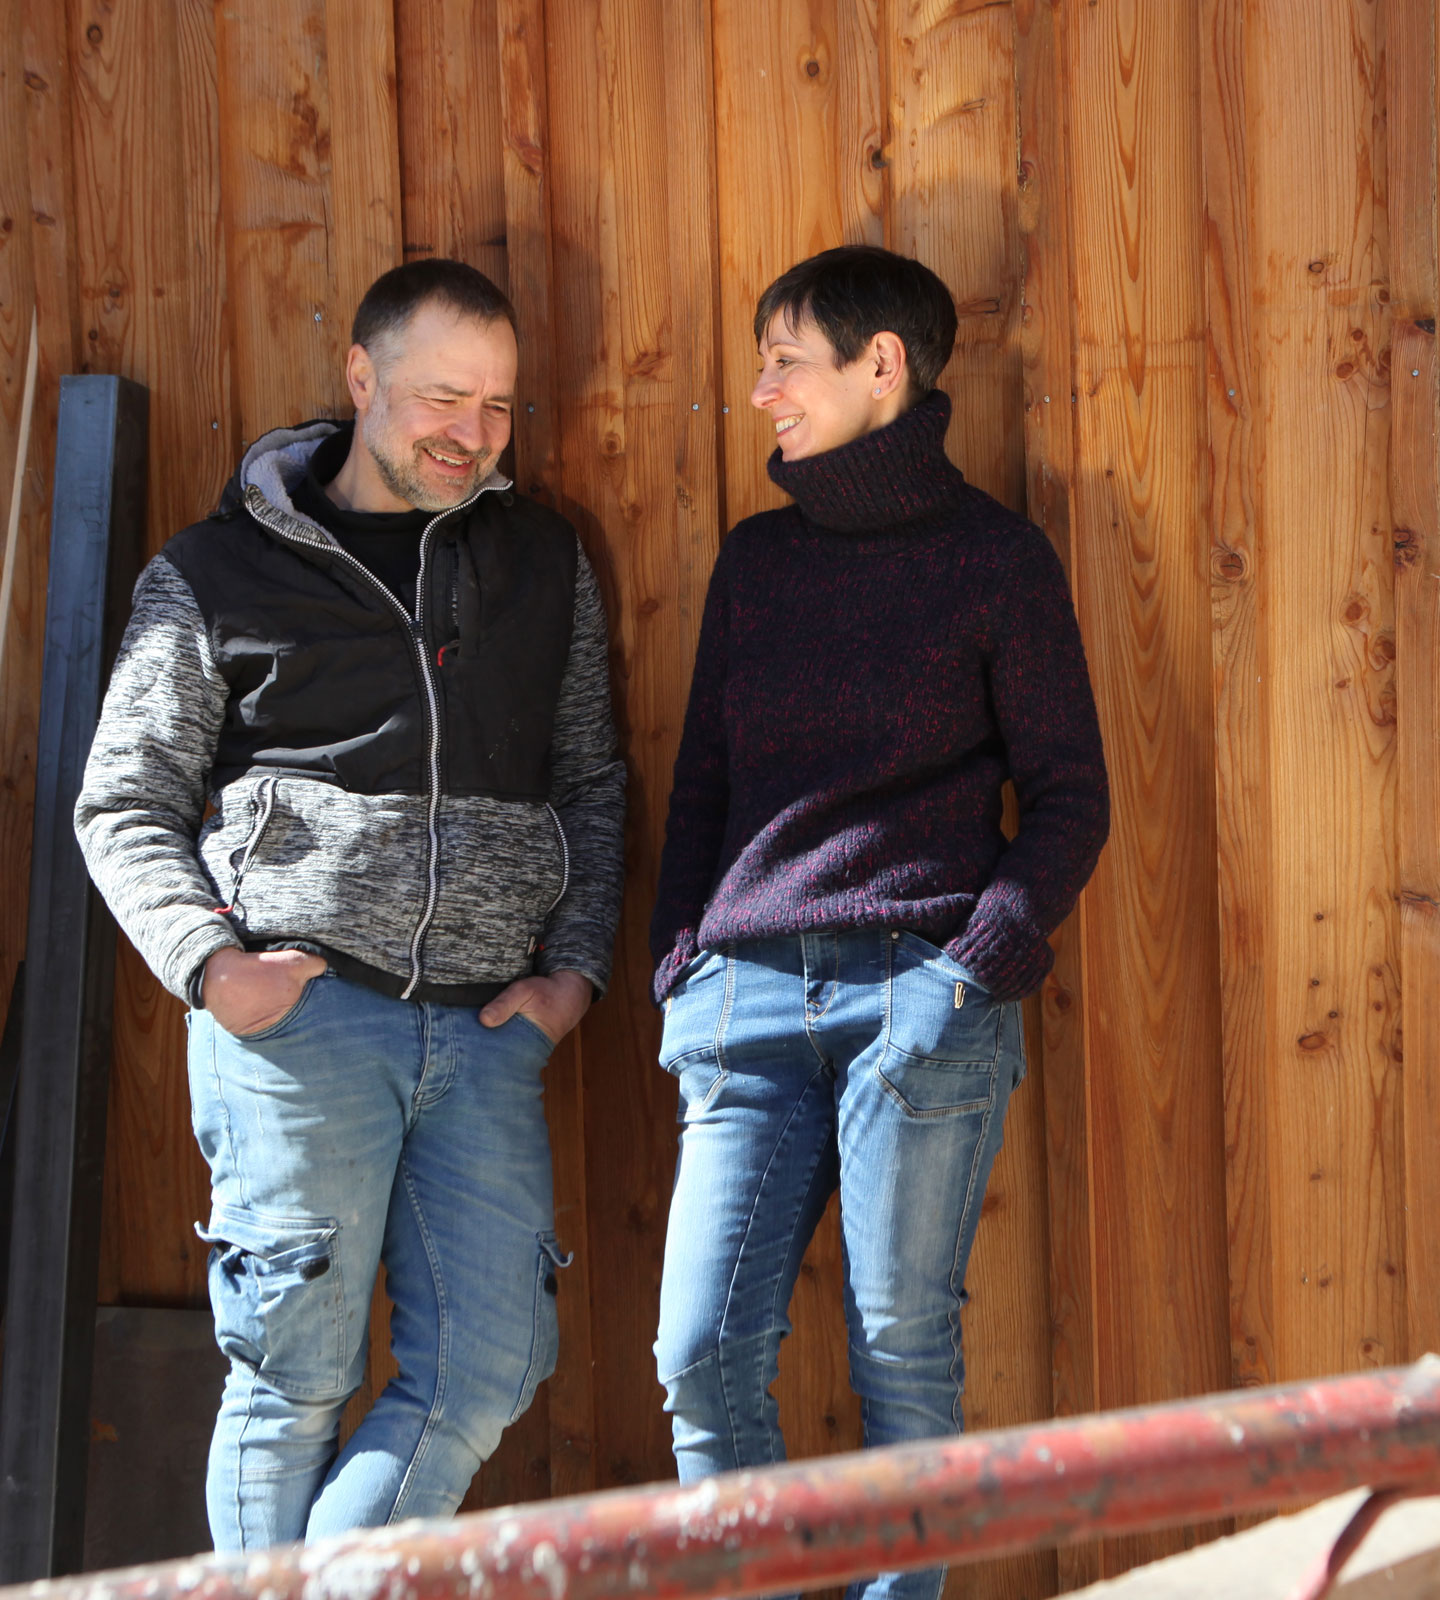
x,y
816,405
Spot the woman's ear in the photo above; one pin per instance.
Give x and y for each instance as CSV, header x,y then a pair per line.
x,y
890,365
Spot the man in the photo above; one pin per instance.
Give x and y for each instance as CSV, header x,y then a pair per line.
x,y
385,674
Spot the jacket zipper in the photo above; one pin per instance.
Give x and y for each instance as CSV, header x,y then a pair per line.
x,y
265,515
265,809
564,859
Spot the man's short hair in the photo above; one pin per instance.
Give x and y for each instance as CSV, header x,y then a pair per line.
x,y
395,297
858,290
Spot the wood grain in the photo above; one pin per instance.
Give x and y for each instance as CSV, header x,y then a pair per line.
x,y
152,306
1047,355
625,439
1412,52
19,375
1241,658
952,204
365,191
1322,328
1213,1160
1152,984
290,331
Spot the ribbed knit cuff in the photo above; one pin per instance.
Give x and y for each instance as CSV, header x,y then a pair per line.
x,y
1005,950
682,952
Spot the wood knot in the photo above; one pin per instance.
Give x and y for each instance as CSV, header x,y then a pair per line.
x,y
812,69
1426,325
1229,564
1406,546
1317,267
1346,369
1313,1041
94,33
877,158
34,81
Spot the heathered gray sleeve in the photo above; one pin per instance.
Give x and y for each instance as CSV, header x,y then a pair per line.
x,y
143,797
588,793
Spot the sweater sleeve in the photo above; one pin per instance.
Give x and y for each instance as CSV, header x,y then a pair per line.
x,y
587,794
1046,712
699,795
140,806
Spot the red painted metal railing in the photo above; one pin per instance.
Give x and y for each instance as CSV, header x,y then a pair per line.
x,y
819,1522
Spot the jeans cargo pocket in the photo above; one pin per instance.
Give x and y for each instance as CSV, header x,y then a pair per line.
x,y
278,1300
545,1340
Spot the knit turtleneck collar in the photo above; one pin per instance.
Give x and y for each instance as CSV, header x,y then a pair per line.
x,y
895,475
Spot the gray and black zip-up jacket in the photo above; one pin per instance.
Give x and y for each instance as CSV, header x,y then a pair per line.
x,y
432,801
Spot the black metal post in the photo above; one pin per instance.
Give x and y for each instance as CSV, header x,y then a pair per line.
x,y
58,1126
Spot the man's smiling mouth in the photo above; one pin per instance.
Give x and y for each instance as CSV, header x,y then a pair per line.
x,y
448,461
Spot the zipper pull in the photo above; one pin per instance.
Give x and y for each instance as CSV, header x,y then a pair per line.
x,y
452,646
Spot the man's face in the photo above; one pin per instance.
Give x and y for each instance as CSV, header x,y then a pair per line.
x,y
435,411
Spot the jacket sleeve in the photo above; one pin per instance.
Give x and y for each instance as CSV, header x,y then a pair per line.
x,y
1046,712
143,797
588,795
699,795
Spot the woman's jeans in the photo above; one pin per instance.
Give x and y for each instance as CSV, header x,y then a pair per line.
x,y
864,1059
360,1128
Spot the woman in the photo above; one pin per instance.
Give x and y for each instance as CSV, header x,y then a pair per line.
x,y
842,933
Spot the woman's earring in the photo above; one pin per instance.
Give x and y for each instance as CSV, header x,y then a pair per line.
x,y
877,394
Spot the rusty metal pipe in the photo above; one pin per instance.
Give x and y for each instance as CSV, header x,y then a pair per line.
x,y
819,1522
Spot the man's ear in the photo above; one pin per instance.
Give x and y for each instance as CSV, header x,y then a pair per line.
x,y
361,378
891,365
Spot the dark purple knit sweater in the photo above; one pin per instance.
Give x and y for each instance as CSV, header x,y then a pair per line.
x,y
874,662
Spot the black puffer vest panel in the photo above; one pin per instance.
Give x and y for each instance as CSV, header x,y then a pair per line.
x,y
290,615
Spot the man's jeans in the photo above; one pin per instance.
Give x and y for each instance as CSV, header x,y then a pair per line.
x,y
865,1059
359,1128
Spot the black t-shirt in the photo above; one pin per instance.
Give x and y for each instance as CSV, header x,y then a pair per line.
x,y
386,542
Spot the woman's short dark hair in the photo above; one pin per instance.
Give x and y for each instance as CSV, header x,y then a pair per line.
x,y
395,296
858,290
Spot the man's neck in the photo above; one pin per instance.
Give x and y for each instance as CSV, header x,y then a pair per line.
x,y
358,486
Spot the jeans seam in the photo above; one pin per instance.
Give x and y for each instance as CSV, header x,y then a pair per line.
x,y
723,1021
442,1345
225,1118
761,1339
957,1360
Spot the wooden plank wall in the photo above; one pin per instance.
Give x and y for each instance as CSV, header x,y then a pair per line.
x,y
1194,247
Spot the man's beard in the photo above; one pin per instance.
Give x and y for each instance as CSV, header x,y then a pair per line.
x,y
404,477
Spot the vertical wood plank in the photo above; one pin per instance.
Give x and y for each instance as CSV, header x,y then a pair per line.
x,y
952,203
1321,331
153,307
629,451
1240,658
1412,52
796,106
365,225
1153,1048
525,183
290,330
39,269
452,182
19,380
525,195
1047,349
953,190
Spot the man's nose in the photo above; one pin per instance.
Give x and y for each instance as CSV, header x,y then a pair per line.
x,y
467,430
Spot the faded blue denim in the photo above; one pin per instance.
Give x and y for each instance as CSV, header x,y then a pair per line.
x,y
867,1060
360,1127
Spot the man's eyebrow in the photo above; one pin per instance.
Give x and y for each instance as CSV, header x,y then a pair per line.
x,y
445,388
